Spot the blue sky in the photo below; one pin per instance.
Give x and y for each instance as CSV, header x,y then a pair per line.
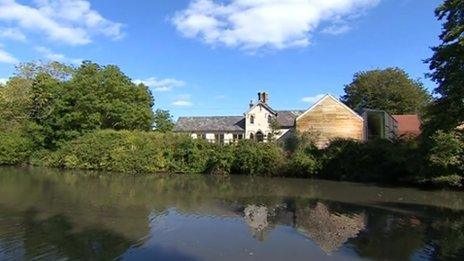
x,y
211,57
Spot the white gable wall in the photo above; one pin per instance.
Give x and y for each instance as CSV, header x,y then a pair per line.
x,y
261,122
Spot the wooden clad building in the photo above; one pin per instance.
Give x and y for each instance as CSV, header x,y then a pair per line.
x,y
330,119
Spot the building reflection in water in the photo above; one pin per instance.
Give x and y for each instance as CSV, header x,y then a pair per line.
x,y
329,230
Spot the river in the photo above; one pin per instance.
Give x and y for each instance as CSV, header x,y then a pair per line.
x,y
51,214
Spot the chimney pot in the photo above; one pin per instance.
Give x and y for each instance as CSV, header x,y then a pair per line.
x,y
265,97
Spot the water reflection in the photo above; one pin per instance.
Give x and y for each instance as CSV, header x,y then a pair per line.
x,y
47,214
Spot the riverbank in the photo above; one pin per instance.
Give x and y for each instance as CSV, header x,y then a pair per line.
x,y
137,152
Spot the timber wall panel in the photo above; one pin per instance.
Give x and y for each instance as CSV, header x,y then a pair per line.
x,y
330,120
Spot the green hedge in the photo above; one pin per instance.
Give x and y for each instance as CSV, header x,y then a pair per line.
x,y
374,161
381,161
15,147
445,159
18,141
152,152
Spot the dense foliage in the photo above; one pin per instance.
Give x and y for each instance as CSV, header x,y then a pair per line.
x,y
447,70
163,121
391,90
153,152
66,103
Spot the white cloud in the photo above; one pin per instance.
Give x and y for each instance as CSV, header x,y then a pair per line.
x,y
161,84
336,29
52,56
183,101
253,24
6,57
312,99
12,33
3,81
69,21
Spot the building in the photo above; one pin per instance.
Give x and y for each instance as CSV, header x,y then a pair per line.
x,y
330,119
327,119
408,125
259,122
379,124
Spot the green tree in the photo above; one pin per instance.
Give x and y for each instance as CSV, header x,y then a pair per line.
x,y
447,66
96,97
445,158
275,127
15,100
390,89
163,121
57,70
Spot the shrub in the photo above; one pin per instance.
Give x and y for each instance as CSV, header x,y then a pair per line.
x,y
373,161
141,152
15,147
258,158
302,164
445,158
189,155
123,151
303,159
18,141
220,159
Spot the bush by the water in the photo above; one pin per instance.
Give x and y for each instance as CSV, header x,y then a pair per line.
x,y
152,152
374,161
445,158
265,159
15,147
383,161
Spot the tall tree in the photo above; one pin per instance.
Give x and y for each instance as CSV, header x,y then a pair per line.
x,y
95,97
390,89
57,70
447,66
163,121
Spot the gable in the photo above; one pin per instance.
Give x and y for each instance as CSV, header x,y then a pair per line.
x,y
259,107
329,103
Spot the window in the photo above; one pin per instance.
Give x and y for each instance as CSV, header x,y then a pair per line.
x,y
219,138
252,136
237,137
252,119
203,136
269,119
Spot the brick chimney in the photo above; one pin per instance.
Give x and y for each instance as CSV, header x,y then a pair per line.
x,y
263,97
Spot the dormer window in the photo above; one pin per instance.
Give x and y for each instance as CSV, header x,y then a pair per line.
x,y
252,119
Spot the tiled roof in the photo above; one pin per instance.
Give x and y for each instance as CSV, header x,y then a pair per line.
x,y
212,123
229,123
287,118
408,124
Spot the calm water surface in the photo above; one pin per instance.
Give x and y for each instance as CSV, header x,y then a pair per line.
x,y
46,214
